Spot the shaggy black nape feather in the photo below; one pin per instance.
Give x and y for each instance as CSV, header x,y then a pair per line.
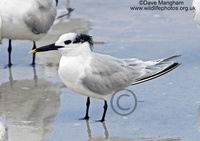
x,y
81,38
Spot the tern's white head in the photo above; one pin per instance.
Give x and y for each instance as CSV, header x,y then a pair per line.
x,y
70,44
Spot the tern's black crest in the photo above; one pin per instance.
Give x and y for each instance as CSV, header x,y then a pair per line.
x,y
81,38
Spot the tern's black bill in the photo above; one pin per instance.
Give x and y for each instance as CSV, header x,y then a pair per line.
x,y
46,48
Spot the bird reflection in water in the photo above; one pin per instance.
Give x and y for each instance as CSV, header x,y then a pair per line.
x,y
96,138
107,138
29,106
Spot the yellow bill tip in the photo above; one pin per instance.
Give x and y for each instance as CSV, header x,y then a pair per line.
x,y
32,51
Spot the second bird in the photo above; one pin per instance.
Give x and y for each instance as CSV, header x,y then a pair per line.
x,y
25,20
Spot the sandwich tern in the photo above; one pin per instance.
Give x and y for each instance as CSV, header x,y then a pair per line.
x,y
97,75
26,20
196,4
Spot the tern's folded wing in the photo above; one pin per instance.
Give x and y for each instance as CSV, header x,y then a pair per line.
x,y
107,75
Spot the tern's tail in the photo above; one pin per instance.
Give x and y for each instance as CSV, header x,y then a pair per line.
x,y
162,72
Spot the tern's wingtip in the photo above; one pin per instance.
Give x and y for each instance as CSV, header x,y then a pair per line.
x,y
32,51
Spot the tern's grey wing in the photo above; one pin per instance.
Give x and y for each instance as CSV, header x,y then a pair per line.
x,y
107,75
41,20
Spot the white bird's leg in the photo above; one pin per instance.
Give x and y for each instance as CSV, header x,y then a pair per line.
x,y
87,109
34,47
9,53
104,112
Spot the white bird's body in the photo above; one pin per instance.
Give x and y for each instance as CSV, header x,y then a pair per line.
x,y
26,19
196,4
100,76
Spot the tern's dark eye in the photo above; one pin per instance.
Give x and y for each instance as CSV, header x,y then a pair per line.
x,y
67,42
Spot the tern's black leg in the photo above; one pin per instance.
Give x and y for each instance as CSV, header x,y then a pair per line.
x,y
104,112
87,109
34,47
9,53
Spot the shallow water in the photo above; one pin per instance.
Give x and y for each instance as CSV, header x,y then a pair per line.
x,y
37,106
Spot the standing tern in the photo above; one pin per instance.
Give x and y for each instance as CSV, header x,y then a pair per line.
x,y
26,20
101,76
